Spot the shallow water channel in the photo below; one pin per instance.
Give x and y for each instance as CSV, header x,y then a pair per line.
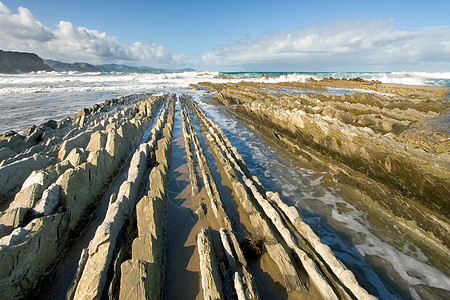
x,y
387,259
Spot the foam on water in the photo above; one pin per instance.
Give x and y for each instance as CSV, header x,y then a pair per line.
x,y
330,90
33,98
321,206
409,78
402,263
82,82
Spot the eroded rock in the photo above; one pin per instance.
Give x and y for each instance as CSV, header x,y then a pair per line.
x,y
211,283
13,175
25,260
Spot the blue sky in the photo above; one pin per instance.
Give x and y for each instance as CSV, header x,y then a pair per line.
x,y
234,35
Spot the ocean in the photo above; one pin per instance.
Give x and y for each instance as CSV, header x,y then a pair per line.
x,y
27,99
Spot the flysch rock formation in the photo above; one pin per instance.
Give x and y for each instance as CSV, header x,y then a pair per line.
x,y
236,240
243,284
279,238
147,248
390,141
53,180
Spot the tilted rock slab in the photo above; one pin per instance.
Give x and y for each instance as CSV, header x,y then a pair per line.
x,y
27,256
211,283
32,250
146,268
275,250
101,247
348,280
248,287
346,276
13,175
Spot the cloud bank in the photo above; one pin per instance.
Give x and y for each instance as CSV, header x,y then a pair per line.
x,y
346,46
23,32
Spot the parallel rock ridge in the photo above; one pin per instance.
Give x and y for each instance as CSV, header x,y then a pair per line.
x,y
277,231
243,240
54,177
390,141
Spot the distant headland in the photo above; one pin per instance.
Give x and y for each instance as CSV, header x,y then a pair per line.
x,y
22,62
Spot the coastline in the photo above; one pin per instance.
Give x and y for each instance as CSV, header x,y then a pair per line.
x,y
211,186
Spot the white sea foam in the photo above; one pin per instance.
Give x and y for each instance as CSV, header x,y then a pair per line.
x,y
429,75
27,99
402,263
411,78
83,82
283,78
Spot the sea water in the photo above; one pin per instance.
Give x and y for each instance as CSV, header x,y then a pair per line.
x,y
27,99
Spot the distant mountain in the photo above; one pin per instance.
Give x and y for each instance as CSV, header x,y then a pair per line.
x,y
85,67
21,62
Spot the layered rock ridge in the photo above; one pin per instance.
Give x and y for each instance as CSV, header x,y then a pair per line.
x,y
287,240
229,237
52,179
390,141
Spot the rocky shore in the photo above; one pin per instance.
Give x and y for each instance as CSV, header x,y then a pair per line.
x,y
183,216
391,141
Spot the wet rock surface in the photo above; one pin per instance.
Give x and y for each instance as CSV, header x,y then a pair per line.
x,y
400,139
180,215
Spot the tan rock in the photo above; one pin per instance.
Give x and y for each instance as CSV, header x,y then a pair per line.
x,y
348,280
114,145
210,278
239,287
12,219
345,117
151,216
133,282
104,164
77,156
227,247
101,247
138,164
75,192
27,196
157,182
146,248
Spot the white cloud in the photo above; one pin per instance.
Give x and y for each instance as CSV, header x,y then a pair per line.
x,y
22,26
22,32
342,46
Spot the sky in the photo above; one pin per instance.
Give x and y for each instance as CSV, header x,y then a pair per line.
x,y
245,35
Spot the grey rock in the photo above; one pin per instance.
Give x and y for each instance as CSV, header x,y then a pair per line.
x,y
6,153
13,175
28,256
79,141
49,201
77,156
12,219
